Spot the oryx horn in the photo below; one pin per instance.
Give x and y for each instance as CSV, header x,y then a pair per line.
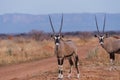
x,y
97,25
51,24
61,25
104,23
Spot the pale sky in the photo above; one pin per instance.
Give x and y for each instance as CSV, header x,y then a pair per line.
x,y
59,6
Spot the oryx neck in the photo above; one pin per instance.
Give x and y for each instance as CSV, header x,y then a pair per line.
x,y
102,45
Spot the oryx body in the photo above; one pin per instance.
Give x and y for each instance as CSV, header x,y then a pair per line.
x,y
64,49
110,44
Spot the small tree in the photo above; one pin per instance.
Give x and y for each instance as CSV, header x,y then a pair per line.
x,y
36,34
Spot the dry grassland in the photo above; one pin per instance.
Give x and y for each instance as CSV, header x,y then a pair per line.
x,y
22,50
17,51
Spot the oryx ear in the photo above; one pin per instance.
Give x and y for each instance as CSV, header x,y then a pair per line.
x,y
51,35
106,35
95,35
62,36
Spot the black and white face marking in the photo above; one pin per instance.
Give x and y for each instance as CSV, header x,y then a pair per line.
x,y
57,39
101,39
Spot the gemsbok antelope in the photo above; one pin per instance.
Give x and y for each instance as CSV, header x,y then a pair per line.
x,y
64,49
110,44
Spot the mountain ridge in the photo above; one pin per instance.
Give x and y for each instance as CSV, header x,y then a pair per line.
x,y
19,23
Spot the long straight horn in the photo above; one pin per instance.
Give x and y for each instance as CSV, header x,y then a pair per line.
x,y
104,23
51,24
61,25
97,25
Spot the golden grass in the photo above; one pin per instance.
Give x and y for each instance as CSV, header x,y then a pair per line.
x,y
16,52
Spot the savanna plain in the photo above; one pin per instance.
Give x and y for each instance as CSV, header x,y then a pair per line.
x,y
33,58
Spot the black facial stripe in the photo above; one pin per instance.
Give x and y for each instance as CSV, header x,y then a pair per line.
x,y
57,39
101,39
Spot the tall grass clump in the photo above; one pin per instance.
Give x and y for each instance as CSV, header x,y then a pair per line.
x,y
92,53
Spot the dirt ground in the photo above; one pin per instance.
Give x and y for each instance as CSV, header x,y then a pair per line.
x,y
46,69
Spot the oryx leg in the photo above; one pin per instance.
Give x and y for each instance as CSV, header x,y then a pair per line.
x,y
76,65
60,67
71,65
112,58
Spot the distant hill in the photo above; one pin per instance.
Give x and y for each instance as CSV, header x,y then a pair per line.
x,y
19,23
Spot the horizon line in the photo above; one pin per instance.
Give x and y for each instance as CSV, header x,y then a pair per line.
x,y
62,13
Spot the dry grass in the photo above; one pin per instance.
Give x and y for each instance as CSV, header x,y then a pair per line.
x,y
14,51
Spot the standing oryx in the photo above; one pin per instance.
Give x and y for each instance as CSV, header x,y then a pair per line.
x,y
110,44
64,49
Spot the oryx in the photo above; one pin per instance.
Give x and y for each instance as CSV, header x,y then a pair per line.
x,y
110,44
64,50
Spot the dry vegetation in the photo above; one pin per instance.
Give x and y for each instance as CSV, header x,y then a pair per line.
x,y
94,61
20,50
93,66
38,45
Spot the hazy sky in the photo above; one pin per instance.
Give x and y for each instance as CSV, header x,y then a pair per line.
x,y
59,6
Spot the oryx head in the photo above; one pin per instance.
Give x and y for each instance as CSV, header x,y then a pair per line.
x,y
56,36
101,36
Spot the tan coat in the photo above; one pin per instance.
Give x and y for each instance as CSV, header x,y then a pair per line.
x,y
112,45
66,48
